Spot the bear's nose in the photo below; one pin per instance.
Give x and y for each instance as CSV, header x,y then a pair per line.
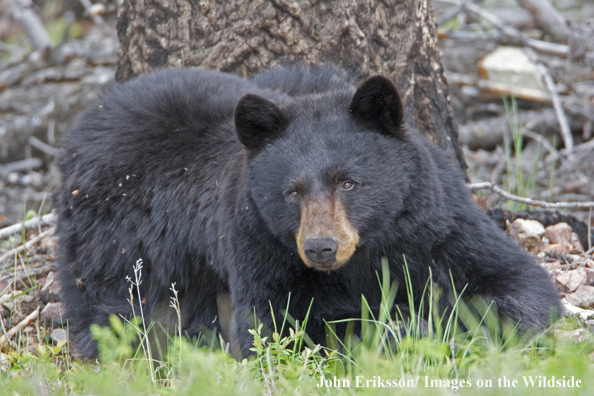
x,y
320,250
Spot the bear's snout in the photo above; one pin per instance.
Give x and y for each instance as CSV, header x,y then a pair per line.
x,y
326,239
321,250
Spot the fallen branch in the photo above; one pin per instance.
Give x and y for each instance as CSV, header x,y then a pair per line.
x,y
29,20
449,14
590,230
589,145
20,166
528,201
94,11
48,219
513,34
488,133
542,141
24,323
500,88
12,344
12,48
20,249
23,275
563,124
547,18
519,92
42,146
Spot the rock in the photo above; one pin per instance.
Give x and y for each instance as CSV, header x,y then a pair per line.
x,y
59,335
575,242
564,248
5,288
52,314
528,233
577,278
573,310
51,290
511,66
551,266
583,297
575,336
590,273
559,233
562,278
571,280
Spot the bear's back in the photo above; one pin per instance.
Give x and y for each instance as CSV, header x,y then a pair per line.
x,y
158,123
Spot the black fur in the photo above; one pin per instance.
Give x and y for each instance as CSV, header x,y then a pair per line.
x,y
156,171
377,103
258,121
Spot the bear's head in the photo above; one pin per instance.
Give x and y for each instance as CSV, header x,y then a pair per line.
x,y
329,172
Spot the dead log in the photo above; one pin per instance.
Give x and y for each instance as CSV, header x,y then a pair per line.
x,y
547,18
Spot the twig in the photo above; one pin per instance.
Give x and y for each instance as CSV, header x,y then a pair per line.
x,y
21,276
499,166
590,229
27,245
489,17
25,322
500,88
547,18
529,201
40,145
12,343
563,124
542,141
512,33
449,14
48,219
589,145
519,92
12,48
97,18
20,166
29,20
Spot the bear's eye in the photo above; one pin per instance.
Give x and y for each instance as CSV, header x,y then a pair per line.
x,y
294,194
347,185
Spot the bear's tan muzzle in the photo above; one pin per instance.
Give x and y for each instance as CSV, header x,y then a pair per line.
x,y
326,239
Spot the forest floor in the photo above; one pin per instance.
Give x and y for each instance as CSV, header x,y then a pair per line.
x,y
513,139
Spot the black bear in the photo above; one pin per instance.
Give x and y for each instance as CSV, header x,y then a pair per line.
x,y
292,182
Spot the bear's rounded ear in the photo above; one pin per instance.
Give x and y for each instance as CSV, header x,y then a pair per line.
x,y
258,121
377,103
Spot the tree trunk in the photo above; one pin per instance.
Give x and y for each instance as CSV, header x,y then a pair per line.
x,y
394,38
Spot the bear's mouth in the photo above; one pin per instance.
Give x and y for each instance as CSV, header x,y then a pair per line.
x,y
327,266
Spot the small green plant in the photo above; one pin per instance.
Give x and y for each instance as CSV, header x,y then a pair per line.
x,y
553,169
517,181
114,342
143,333
424,350
59,30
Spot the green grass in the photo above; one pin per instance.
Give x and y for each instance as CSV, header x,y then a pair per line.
x,y
517,181
415,356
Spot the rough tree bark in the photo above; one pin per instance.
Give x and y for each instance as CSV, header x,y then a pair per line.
x,y
394,38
